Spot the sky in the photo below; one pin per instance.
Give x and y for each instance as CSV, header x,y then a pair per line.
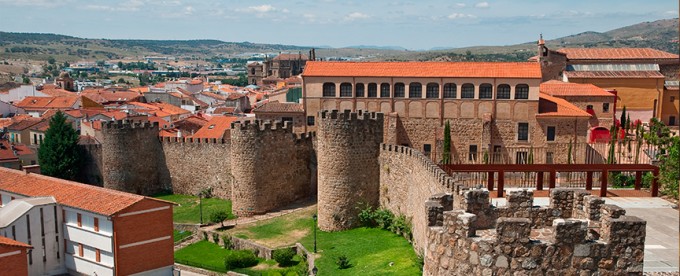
x,y
415,25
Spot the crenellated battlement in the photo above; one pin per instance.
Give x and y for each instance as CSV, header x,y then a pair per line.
x,y
189,140
563,238
129,124
347,115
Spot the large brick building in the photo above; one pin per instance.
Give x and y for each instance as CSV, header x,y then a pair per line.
x,y
82,229
493,107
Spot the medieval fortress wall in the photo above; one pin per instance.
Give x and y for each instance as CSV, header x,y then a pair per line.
x,y
265,166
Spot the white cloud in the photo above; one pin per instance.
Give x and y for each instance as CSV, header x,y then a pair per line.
x,y
260,8
482,5
460,5
35,3
356,15
127,6
672,12
189,10
456,15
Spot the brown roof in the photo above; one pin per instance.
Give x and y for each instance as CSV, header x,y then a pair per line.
x,y
42,126
277,107
111,95
423,69
55,91
10,242
556,107
24,123
614,74
7,151
47,102
223,109
216,127
616,53
235,96
559,88
77,195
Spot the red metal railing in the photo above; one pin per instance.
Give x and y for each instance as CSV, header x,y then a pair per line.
x,y
492,170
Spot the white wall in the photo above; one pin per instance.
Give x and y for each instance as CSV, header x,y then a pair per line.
x,y
91,241
17,94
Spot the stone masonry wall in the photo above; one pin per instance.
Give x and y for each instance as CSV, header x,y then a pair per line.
x,y
573,236
130,158
348,171
270,165
407,179
91,172
194,165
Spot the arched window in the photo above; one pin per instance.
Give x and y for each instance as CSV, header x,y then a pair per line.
x,y
345,89
252,71
485,91
399,90
521,92
467,91
432,91
503,92
415,90
360,90
450,91
372,90
329,89
385,90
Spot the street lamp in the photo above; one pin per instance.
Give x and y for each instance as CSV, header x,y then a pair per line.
x,y
200,205
314,219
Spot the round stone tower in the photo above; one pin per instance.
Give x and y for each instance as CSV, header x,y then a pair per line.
x,y
348,170
246,150
130,156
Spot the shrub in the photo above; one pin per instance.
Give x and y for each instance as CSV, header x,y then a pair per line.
x,y
383,218
343,262
216,238
284,256
205,236
240,259
366,215
647,180
226,241
218,217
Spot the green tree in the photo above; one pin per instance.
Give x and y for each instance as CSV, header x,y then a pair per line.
x,y
59,155
25,80
51,60
219,217
120,65
669,169
446,156
622,120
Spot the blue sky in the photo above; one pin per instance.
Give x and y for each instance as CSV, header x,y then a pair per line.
x,y
410,24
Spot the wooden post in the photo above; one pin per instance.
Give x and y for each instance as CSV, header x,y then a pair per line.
x,y
553,175
539,181
589,181
489,181
603,184
655,183
638,180
501,180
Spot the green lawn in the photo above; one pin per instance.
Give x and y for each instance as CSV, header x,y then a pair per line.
x,y
277,232
369,250
179,235
188,210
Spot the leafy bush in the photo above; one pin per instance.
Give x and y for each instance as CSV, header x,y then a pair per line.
x,y
647,180
343,262
384,219
284,256
226,241
240,259
218,217
216,238
619,180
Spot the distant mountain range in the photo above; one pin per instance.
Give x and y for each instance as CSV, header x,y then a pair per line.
x,y
660,34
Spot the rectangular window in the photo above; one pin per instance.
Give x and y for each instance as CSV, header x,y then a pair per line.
x,y
605,107
550,135
372,90
472,154
522,92
671,120
28,228
44,252
385,90
35,138
549,157
467,91
360,90
310,120
98,256
56,221
399,90
42,223
80,220
80,249
427,148
345,90
523,131
521,157
57,247
96,224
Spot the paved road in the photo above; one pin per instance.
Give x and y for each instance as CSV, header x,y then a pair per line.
x,y
661,243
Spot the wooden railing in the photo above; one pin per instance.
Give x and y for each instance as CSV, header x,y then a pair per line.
x,y
491,170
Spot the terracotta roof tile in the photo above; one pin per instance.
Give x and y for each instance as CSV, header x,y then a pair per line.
x,y
222,110
614,74
423,69
77,195
216,127
10,242
616,53
24,123
556,107
559,88
111,95
7,150
55,91
47,102
277,107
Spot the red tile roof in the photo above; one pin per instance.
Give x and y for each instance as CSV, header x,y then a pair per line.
x,y
10,242
614,74
423,69
111,95
77,195
556,107
55,91
23,123
7,150
161,123
47,102
616,53
222,110
216,127
559,88
277,107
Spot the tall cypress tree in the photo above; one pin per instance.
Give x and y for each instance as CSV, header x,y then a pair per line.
x,y
59,155
446,158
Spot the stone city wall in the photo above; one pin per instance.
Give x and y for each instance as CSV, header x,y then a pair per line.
x,y
271,166
348,171
407,179
197,164
573,236
91,172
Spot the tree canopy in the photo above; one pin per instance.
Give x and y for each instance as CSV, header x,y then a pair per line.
x,y
59,155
